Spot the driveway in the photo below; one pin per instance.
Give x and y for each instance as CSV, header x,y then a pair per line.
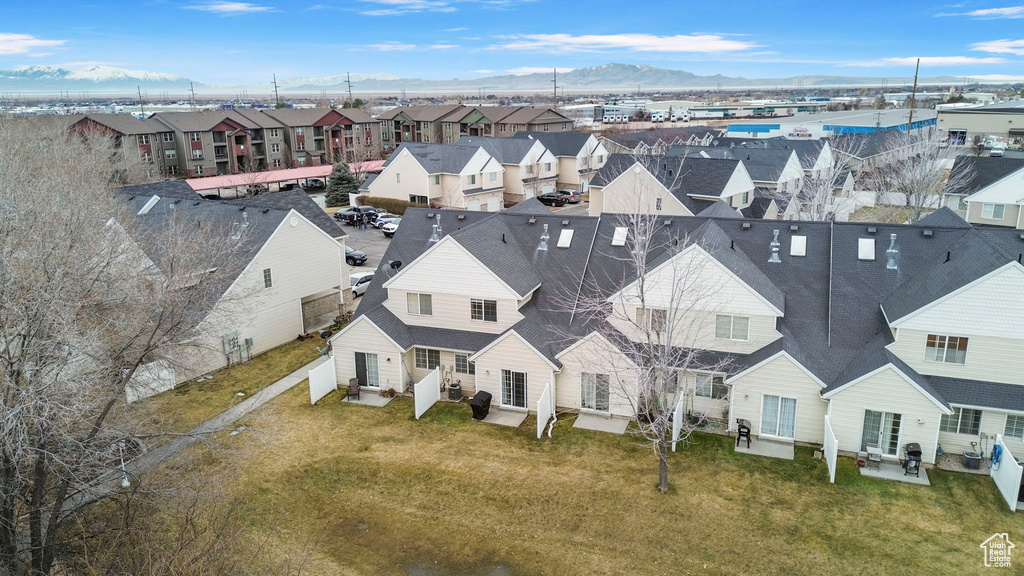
x,y
579,209
371,241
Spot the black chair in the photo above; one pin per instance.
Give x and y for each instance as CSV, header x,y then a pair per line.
x,y
743,432
353,389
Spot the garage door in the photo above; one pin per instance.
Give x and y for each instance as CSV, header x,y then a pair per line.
x,y
528,193
493,205
473,204
546,189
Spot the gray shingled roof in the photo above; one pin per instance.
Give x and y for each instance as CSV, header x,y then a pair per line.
x,y
491,243
683,177
504,150
164,189
301,203
436,158
978,393
943,218
875,355
763,164
719,210
559,143
981,172
421,113
758,207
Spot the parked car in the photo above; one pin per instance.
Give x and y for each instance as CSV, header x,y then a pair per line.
x,y
344,214
359,282
552,199
997,152
382,218
355,217
571,196
354,257
391,227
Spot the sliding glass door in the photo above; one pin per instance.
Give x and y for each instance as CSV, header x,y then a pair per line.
x,y
882,429
367,371
513,388
778,416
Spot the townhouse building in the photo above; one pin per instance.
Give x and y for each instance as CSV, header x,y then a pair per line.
x,y
530,168
881,334
991,193
414,124
658,141
580,156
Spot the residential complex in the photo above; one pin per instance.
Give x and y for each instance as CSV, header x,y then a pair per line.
x,y
449,123
993,193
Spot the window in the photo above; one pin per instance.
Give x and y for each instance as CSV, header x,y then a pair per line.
x,y
197,153
437,179
199,170
170,154
367,370
564,125
746,197
652,318
195,136
300,131
594,391
398,177
961,421
951,349
463,365
657,204
529,169
172,170
1014,427
301,160
992,211
418,199
147,157
268,281
547,166
471,179
709,386
732,327
275,147
493,176
300,146
144,139
502,127
168,136
277,162
513,388
419,304
486,310
546,127
427,358
274,133
600,158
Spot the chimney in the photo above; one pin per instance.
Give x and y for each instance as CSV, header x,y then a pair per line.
x,y
891,254
774,258
544,239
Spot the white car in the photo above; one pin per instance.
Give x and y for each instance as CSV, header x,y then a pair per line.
x,y
383,218
359,282
997,152
391,227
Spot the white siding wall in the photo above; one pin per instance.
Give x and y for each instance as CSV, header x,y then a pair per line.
x,y
738,184
595,356
512,354
886,391
414,179
992,422
363,336
988,358
636,191
781,377
452,311
449,269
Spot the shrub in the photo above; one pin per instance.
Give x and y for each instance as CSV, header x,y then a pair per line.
x,y
390,204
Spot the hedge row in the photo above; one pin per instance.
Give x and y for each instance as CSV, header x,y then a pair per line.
x,y
390,204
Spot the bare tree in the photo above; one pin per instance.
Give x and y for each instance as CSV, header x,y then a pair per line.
x,y
914,171
82,309
817,199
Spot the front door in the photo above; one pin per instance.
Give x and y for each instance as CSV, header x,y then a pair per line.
x,y
778,416
882,429
367,370
513,388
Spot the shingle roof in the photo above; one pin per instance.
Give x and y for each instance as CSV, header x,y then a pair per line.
x,y
127,124
807,151
436,158
758,207
943,218
504,150
301,203
980,172
569,143
529,115
203,120
669,136
875,355
977,393
763,164
164,189
683,177
491,244
420,113
719,210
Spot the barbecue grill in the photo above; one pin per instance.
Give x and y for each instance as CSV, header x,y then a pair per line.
x,y
912,459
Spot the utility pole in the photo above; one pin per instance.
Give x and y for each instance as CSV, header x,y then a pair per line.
x,y
913,97
348,81
277,99
192,89
142,107
554,80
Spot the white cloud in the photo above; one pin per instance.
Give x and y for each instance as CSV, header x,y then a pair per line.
x,y
392,47
928,61
998,78
24,43
1011,12
229,8
399,7
638,42
523,70
1000,47
460,29
482,71
443,46
39,54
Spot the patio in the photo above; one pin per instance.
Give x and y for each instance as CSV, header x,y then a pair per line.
x,y
510,418
889,470
601,423
765,447
369,398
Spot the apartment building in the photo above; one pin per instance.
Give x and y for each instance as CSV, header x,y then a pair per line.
x,y
316,136
881,335
414,124
215,142
502,121
152,139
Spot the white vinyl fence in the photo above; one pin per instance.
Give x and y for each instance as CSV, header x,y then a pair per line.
x,y
545,408
1007,474
322,381
149,380
427,391
677,422
831,450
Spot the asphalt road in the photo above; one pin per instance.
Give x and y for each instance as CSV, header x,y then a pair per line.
x,y
370,241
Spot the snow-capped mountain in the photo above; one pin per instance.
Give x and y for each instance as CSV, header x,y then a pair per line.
x,y
90,78
112,74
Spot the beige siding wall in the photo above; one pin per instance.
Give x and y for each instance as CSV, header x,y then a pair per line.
x,y
992,422
637,192
467,381
568,171
449,192
472,278
596,206
697,329
781,377
512,354
363,336
402,178
595,356
513,180
886,391
452,311
1011,215
988,358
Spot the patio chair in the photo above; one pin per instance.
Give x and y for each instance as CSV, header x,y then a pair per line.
x,y
741,433
874,456
353,389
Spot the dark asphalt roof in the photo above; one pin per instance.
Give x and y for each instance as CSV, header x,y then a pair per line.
x,y
982,171
807,151
436,158
763,164
301,203
559,143
758,207
943,218
977,393
683,177
165,189
669,136
719,210
504,150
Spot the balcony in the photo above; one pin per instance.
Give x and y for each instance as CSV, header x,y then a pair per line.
x,y
220,157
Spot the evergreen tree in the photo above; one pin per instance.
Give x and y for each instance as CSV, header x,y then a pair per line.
x,y
340,184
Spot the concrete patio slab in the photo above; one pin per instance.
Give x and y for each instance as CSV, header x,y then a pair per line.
x,y
510,418
600,423
893,471
769,448
368,398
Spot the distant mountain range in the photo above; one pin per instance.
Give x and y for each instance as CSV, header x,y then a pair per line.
x,y
607,77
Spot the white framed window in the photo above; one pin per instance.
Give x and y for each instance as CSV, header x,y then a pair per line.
x,y
1014,427
143,138
547,166
654,318
746,197
300,131
301,160
949,349
485,310
992,211
419,304
463,365
513,388
147,157
277,162
711,386
437,179
417,199
274,133
268,279
471,179
199,170
732,327
195,136
398,177
300,146
657,204
275,147
168,136
197,153
428,358
564,125
594,391
172,170
961,421
529,169
600,158
494,177
170,154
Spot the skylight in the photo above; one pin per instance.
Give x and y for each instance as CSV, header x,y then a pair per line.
x,y
565,238
798,246
865,248
619,239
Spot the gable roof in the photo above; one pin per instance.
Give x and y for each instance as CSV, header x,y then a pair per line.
x,y
126,124
758,207
719,210
807,150
436,158
943,218
980,172
569,143
762,164
669,136
420,113
300,202
491,243
683,177
165,189
504,150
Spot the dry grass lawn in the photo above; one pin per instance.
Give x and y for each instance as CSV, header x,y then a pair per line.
x,y
378,492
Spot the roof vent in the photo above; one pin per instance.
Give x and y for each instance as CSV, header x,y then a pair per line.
x,y
532,220
774,258
149,205
619,238
565,222
891,254
794,228
461,216
926,233
745,226
565,238
430,214
872,230
798,246
1021,236
544,239
865,249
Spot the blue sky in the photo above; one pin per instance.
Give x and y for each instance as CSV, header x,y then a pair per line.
x,y
244,42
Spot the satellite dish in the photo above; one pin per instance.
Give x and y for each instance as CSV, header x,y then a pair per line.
x,y
325,334
396,264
